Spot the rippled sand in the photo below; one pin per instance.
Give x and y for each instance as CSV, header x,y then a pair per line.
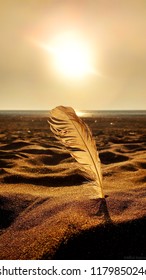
x,y
49,211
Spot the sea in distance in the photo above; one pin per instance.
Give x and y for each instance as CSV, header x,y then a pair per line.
x,y
81,113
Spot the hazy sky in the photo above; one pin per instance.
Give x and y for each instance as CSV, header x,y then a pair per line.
x,y
114,30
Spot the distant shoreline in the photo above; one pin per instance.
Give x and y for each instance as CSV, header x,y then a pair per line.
x,y
81,113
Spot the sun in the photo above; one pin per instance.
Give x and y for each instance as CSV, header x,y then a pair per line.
x,y
71,55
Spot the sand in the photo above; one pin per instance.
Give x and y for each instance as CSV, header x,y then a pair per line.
x,y
48,210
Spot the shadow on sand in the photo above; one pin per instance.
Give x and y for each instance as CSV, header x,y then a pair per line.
x,y
108,241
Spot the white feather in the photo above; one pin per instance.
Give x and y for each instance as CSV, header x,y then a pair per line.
x,y
76,136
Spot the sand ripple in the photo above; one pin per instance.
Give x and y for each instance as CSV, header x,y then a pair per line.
x,y
48,210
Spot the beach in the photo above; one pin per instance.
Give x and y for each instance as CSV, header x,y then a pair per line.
x,y
48,210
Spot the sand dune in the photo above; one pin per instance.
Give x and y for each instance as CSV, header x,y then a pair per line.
x,y
49,211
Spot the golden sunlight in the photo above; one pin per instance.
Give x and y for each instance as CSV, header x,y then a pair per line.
x,y
72,56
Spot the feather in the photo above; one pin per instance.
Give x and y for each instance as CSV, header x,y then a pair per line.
x,y
77,137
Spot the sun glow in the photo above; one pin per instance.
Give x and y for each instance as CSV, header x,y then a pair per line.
x,y
71,55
